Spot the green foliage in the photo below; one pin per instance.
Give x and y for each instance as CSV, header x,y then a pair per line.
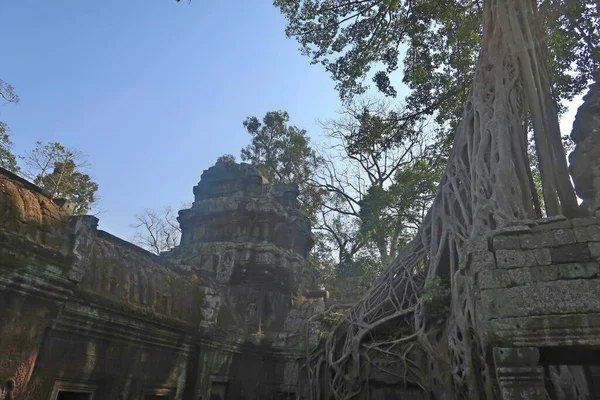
x,y
441,39
284,154
437,298
321,261
395,212
227,158
7,159
59,171
328,319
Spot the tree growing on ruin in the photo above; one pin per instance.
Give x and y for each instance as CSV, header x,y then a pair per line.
x,y
380,179
60,171
157,230
493,71
284,155
8,159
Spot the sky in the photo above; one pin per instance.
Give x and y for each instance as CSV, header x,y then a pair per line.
x,y
153,92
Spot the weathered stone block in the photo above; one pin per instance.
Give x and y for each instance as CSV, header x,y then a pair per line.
x,y
594,250
577,271
551,220
545,226
570,253
481,260
518,373
535,274
537,240
590,233
505,278
542,298
495,278
512,229
522,258
506,242
563,236
549,238
515,258
585,221
475,245
516,356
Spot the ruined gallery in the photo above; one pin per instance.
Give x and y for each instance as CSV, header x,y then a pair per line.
x,y
227,313
86,315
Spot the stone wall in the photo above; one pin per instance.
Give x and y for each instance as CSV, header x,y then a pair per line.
x,y
85,310
537,300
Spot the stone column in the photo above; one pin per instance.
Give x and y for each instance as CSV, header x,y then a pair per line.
x,y
520,377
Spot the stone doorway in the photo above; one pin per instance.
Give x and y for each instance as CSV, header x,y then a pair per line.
x,y
571,372
73,391
66,395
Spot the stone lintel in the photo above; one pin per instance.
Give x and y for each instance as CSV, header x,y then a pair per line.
x,y
519,375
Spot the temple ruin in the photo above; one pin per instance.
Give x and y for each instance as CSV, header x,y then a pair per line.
x,y
229,313
86,315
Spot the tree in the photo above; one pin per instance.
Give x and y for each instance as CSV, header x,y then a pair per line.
x,y
284,154
7,159
158,230
380,179
226,158
513,82
60,172
439,41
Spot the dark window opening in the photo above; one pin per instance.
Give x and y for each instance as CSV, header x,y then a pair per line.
x,y
285,396
67,395
218,391
155,397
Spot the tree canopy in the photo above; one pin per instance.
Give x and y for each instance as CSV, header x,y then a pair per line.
x,y
432,46
491,72
60,171
284,154
8,160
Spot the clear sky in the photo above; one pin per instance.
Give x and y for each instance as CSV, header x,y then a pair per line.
x,y
152,91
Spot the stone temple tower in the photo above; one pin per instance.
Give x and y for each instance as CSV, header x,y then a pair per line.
x,y
249,239
88,315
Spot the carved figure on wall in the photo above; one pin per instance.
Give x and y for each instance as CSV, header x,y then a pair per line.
x,y
251,312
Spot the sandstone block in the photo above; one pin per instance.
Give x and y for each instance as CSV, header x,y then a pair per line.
x,y
482,260
578,270
570,253
590,233
544,226
542,298
594,250
522,258
494,278
506,242
585,221
534,274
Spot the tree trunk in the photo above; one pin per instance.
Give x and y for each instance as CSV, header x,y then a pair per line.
x,y
486,184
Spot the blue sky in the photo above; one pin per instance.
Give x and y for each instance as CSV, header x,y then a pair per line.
x,y
153,91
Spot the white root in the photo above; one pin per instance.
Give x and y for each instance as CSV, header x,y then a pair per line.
x,y
486,184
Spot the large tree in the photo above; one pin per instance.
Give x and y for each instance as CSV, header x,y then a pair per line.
x,y
8,160
432,46
157,230
379,180
284,154
514,60
60,171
